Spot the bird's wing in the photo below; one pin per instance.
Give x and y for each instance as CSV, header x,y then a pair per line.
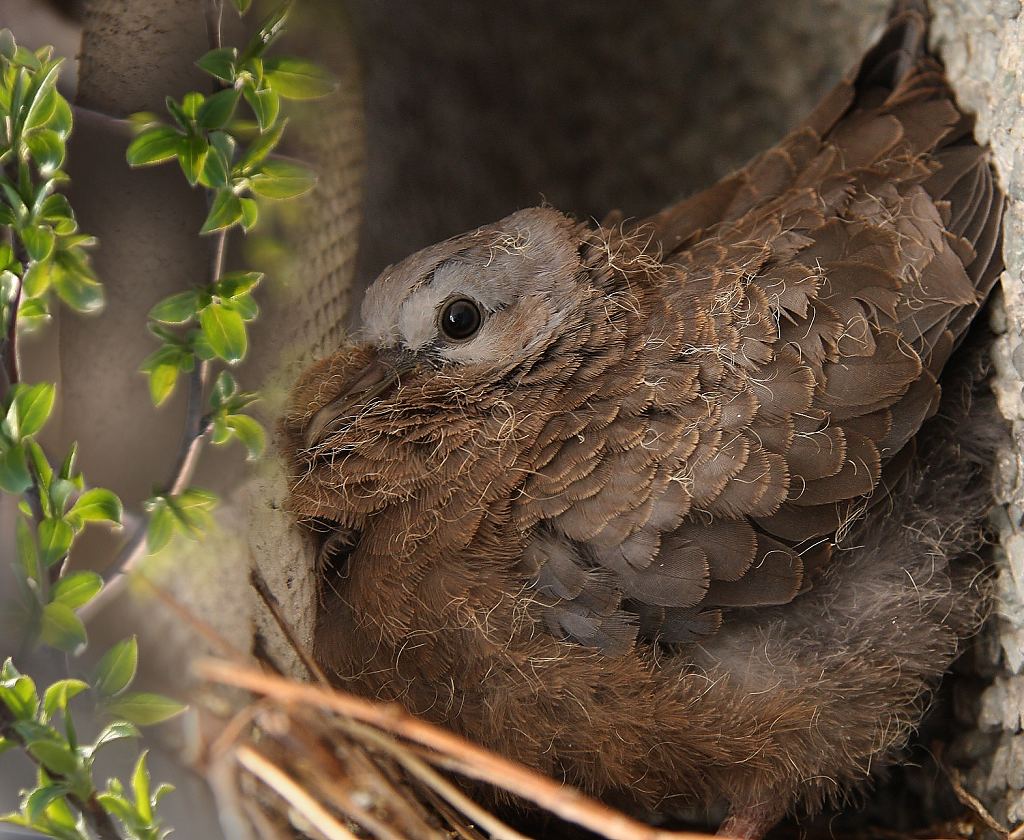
x,y
789,356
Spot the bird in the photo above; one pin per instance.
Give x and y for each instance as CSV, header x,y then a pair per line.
x,y
645,504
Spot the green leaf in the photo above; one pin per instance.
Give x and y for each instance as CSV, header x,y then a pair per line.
x,y
26,58
116,669
116,731
216,170
242,5
67,467
250,213
296,78
265,105
225,330
262,146
161,525
143,708
249,432
97,505
282,179
224,387
14,474
155,145
217,110
179,115
236,283
28,554
76,589
176,309
33,405
163,376
219,431
46,148
55,537
245,305
43,99
192,156
57,758
60,491
220,63
56,209
42,467
41,798
117,806
80,292
224,143
191,102
62,120
38,240
8,44
62,628
57,695
270,29
38,278
18,694
193,506
140,788
224,212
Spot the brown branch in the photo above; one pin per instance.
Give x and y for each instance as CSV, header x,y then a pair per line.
x,y
274,607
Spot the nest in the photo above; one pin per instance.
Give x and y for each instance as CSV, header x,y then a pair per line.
x,y
290,759
332,765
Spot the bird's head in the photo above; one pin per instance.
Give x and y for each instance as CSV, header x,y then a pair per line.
x,y
434,380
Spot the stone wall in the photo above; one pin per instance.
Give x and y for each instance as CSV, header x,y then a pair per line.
x,y
982,43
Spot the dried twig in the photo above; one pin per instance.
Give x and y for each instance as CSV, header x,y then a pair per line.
x,y
293,793
273,605
977,809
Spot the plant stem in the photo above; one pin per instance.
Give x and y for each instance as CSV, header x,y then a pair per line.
x,y
197,423
197,427
92,812
9,342
214,18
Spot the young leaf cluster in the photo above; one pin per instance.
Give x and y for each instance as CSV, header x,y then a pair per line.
x,y
224,142
44,728
46,254
42,254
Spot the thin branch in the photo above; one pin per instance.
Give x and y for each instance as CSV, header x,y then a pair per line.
x,y
116,126
274,606
197,427
214,21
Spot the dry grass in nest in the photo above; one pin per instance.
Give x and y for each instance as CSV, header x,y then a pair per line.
x,y
304,759
333,765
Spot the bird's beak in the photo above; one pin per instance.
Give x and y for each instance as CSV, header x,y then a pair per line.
x,y
372,381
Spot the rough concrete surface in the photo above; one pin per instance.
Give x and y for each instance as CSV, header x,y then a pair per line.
x,y
982,43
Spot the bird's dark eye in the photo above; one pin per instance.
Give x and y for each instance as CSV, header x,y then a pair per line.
x,y
460,319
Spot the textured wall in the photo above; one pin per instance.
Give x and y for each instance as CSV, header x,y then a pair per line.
x,y
982,42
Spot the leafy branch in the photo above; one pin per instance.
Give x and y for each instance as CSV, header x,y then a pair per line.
x,y
43,257
231,157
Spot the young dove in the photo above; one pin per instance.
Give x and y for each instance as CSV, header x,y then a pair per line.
x,y
636,503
